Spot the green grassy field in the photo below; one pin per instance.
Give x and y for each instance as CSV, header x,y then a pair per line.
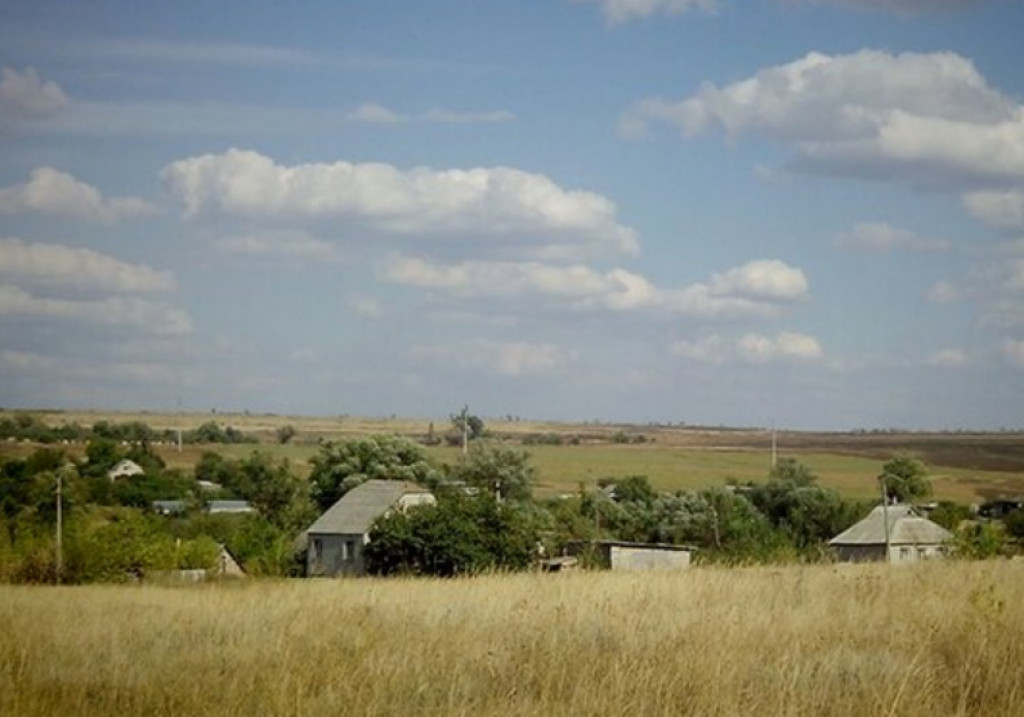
x,y
965,467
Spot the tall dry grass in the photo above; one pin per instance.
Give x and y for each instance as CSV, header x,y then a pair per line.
x,y
935,639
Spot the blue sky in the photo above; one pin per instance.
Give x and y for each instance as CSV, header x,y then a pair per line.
x,y
800,212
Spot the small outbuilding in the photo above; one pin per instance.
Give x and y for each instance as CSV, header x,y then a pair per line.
x,y
625,555
335,541
911,537
229,506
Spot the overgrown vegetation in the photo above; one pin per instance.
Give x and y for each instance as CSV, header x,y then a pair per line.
x,y
930,639
487,517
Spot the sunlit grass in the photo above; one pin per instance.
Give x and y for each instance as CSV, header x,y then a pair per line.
x,y
934,639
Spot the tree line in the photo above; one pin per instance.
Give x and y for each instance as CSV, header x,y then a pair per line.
x,y
486,516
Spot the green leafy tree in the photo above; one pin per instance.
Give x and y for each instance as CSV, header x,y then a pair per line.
x,y
275,491
630,489
340,466
905,478
217,469
1014,523
496,469
459,535
980,541
792,471
950,515
794,504
286,433
474,426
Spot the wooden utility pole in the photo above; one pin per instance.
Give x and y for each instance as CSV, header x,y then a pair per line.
x,y
465,429
60,524
885,515
775,448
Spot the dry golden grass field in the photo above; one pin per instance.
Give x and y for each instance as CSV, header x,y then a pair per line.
x,y
966,467
931,639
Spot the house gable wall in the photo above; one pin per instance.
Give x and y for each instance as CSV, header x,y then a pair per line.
x,y
331,554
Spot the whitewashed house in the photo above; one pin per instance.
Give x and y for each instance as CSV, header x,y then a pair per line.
x,y
125,469
911,537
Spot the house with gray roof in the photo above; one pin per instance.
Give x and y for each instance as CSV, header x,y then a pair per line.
x,y
335,541
911,537
125,469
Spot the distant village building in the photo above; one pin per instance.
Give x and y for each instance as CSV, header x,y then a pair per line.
x,y
169,507
227,566
630,556
335,541
911,537
229,506
208,486
125,469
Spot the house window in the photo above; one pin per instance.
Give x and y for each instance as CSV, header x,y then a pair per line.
x,y
350,548
344,550
904,553
316,549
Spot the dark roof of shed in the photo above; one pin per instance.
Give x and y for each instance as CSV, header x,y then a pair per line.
x,y
355,512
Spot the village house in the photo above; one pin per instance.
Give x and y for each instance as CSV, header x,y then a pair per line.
x,y
125,469
335,541
911,537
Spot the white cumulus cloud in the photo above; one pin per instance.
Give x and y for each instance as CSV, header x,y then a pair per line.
x,y
758,288
64,266
930,118
784,347
761,279
881,237
25,97
492,203
50,191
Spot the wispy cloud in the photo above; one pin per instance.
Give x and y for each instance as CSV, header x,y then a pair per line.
x,y
26,98
880,237
374,113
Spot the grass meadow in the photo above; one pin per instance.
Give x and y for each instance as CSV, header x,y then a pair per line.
x,y
930,639
965,467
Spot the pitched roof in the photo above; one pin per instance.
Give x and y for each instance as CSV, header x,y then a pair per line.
x,y
906,527
355,512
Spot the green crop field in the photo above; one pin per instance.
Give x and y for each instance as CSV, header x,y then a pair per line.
x,y
965,467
